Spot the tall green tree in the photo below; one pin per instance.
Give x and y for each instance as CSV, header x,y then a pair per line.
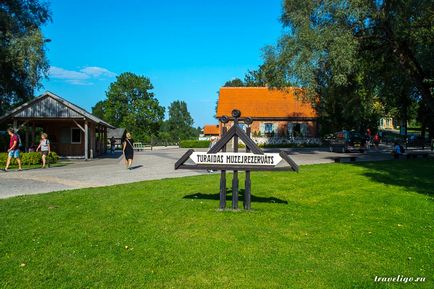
x,y
99,110
22,50
236,82
131,104
180,122
356,51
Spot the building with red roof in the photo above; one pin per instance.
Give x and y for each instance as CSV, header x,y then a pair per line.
x,y
210,130
275,113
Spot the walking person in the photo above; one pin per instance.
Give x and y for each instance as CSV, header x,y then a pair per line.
x,y
14,149
45,148
128,151
376,141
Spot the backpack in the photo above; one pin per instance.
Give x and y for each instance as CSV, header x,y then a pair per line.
x,y
402,149
20,144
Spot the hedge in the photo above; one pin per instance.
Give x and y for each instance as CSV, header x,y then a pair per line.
x,y
32,158
194,144
290,145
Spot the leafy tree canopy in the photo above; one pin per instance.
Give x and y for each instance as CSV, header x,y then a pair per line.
x,y
179,126
256,78
22,50
353,53
131,104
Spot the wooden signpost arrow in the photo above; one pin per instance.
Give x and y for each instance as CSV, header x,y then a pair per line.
x,y
218,159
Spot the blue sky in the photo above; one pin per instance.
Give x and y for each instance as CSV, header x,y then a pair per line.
x,y
187,48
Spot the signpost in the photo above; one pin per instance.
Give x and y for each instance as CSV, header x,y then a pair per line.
x,y
217,158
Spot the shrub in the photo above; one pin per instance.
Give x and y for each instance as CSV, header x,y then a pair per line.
x,y
3,158
290,145
31,158
194,144
53,157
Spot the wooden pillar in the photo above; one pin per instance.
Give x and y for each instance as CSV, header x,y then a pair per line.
x,y
223,178
248,184
33,133
105,140
27,139
92,140
98,140
235,177
15,126
86,140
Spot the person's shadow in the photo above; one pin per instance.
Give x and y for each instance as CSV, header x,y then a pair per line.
x,y
216,196
136,167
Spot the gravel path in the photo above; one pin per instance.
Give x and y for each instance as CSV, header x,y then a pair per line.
x,y
148,165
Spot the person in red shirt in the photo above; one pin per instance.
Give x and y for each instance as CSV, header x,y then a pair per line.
x,y
376,140
14,149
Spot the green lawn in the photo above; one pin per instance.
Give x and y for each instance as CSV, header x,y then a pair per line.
x,y
330,226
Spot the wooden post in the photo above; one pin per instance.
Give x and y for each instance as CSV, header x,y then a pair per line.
x,y
15,126
27,139
33,133
235,177
223,179
248,184
92,140
105,140
86,141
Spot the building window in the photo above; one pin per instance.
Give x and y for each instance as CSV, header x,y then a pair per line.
x,y
75,136
296,130
268,127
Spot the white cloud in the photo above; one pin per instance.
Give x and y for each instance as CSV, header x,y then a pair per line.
x,y
60,73
96,71
81,77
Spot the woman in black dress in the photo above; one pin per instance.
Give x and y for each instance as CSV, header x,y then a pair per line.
x,y
128,150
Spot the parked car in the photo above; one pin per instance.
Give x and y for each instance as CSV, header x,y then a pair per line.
x,y
417,141
347,141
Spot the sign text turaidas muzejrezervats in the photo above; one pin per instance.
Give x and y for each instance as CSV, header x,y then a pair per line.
x,y
218,159
236,159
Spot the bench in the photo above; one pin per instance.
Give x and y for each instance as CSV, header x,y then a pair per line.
x,y
138,146
341,158
410,155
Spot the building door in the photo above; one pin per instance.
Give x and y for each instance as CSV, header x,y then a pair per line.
x,y
290,129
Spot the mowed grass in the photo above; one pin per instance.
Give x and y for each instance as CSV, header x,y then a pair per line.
x,y
330,226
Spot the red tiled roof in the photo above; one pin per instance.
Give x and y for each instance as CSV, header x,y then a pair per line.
x,y
263,102
211,129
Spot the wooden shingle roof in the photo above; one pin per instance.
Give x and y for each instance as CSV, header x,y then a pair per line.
x,y
50,105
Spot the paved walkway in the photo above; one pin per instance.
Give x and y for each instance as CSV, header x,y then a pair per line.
x,y
148,165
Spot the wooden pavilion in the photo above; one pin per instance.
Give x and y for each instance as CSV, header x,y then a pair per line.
x,y
72,131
